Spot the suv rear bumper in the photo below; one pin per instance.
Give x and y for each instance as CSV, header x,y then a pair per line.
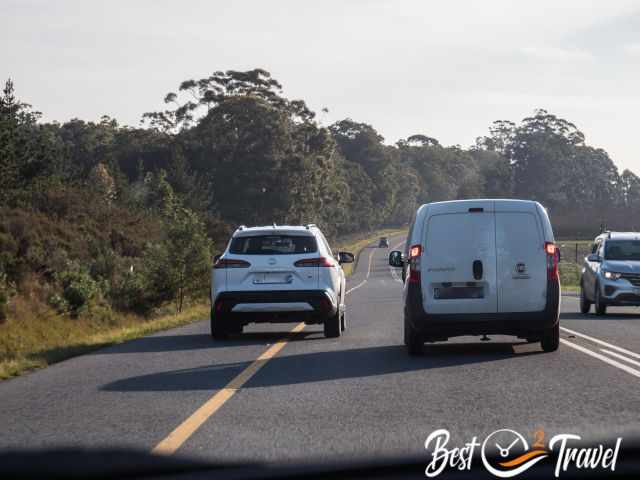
x,y
311,306
521,324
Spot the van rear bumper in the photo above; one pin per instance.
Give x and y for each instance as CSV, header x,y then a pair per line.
x,y
435,327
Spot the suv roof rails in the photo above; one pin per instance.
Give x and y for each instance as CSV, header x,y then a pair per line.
x,y
310,225
241,227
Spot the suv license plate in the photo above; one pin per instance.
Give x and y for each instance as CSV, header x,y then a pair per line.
x,y
271,278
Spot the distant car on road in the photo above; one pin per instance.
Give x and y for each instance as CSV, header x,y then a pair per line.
x,y
479,267
278,274
383,243
611,273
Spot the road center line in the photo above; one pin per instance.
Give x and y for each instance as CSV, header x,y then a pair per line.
x,y
187,428
182,432
595,340
608,360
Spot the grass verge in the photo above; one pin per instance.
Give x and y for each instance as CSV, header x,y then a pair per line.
x,y
36,336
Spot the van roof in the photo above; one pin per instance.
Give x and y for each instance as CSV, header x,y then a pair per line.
x,y
496,201
488,204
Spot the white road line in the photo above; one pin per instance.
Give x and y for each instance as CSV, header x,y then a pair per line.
x,y
608,360
356,287
595,340
621,357
365,278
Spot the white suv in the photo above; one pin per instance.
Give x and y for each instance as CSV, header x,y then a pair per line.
x,y
278,274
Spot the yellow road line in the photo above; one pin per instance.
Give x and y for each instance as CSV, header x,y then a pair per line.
x,y
187,428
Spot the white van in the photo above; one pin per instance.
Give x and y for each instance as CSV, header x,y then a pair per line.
x,y
479,267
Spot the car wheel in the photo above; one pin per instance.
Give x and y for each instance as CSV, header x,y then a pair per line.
x,y
235,328
412,339
551,339
332,325
218,327
585,305
600,308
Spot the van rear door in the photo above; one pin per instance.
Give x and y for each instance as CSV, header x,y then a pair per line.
x,y
458,264
522,268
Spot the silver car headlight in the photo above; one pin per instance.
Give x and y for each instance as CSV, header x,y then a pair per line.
x,y
612,275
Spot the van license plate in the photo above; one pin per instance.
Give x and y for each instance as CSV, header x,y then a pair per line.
x,y
455,293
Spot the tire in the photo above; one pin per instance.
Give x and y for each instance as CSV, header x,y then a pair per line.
x,y
412,339
585,305
600,308
332,325
235,328
218,327
551,339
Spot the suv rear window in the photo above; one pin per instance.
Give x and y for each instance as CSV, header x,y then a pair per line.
x,y
273,245
622,250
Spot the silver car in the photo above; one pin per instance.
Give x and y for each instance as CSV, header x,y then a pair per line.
x,y
611,273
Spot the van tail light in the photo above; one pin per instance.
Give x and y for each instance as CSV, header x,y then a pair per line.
x,y
553,255
231,263
415,252
315,262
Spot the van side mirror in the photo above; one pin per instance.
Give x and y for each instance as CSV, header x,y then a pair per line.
x,y
395,259
216,257
594,258
345,257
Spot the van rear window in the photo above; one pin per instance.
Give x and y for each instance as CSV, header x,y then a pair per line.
x,y
273,245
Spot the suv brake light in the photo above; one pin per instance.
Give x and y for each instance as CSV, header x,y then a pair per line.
x,y
414,263
552,261
231,263
315,262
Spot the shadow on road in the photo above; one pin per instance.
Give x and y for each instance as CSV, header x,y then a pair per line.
x,y
173,343
321,366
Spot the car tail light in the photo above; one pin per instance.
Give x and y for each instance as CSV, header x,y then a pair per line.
x,y
231,263
415,253
315,262
219,305
552,261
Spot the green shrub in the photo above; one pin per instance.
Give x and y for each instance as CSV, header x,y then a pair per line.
x,y
78,288
4,305
4,296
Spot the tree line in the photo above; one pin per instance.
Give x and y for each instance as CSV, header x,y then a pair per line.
x,y
128,217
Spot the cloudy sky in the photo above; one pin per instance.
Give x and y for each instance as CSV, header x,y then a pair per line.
x,y
446,69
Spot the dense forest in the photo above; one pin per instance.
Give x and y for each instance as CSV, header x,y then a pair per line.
x,y
127,218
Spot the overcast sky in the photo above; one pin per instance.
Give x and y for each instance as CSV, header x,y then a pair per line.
x,y
446,69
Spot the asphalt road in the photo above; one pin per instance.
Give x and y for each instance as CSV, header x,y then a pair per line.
x,y
357,396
